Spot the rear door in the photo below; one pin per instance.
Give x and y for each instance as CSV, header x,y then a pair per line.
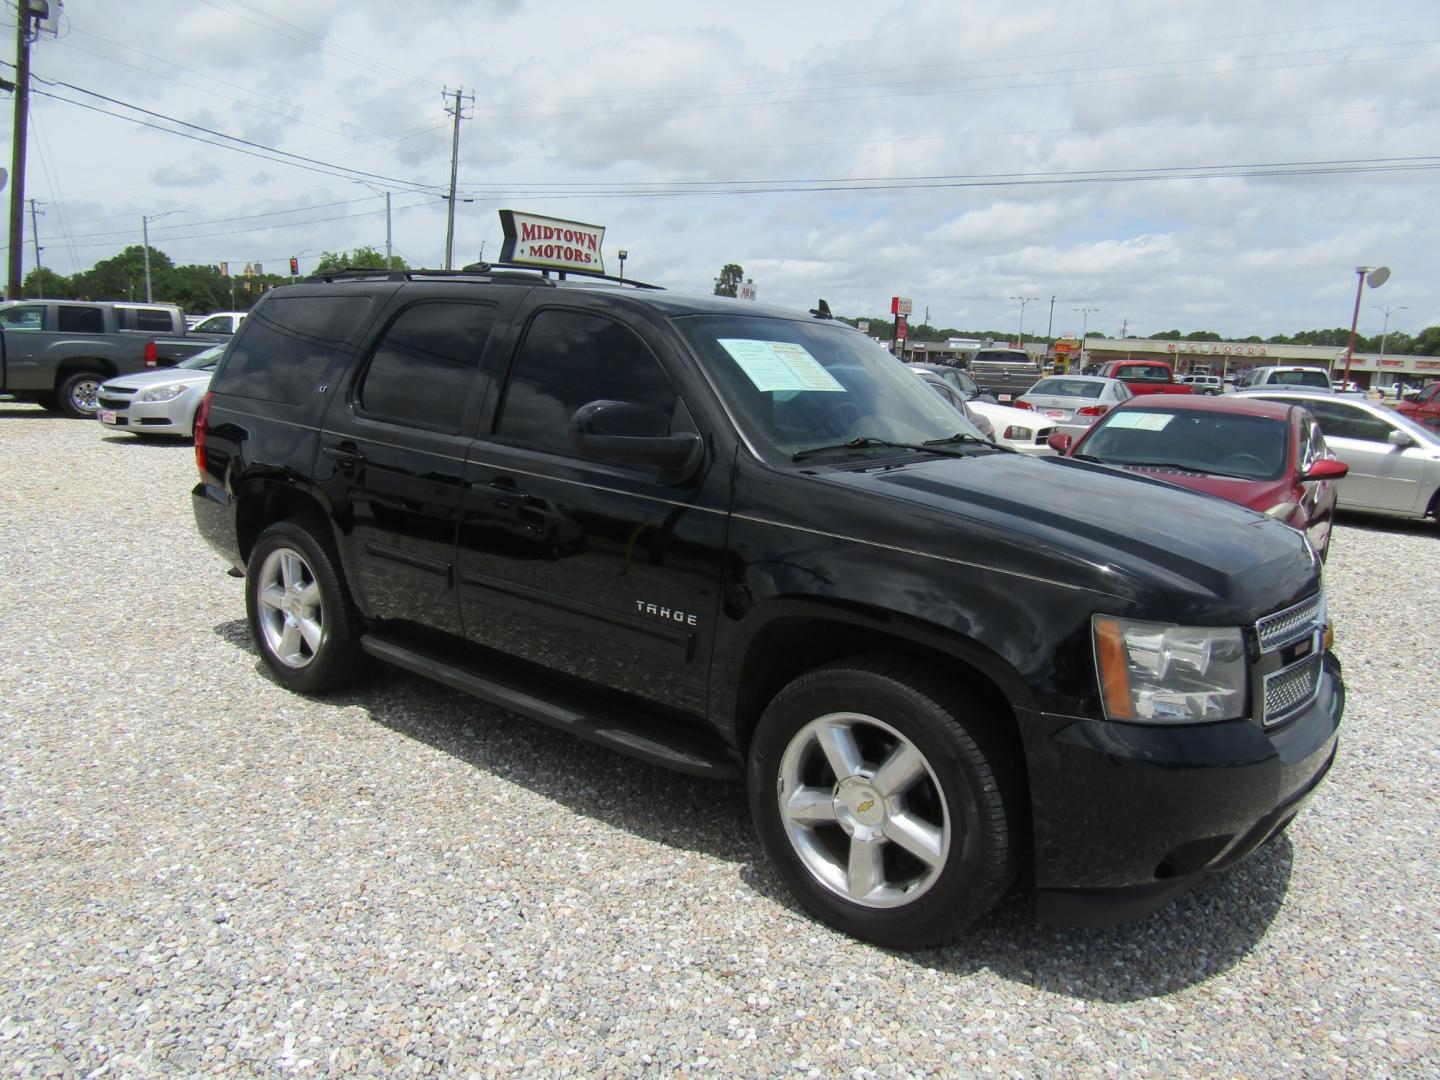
x,y
1382,476
603,570
392,452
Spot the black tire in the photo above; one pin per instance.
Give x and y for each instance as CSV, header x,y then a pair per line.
x,y
307,663
966,797
75,395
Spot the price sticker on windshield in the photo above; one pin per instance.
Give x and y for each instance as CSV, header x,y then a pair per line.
x,y
1142,421
779,365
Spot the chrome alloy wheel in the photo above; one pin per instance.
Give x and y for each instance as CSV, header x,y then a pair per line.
x,y
863,810
83,395
292,616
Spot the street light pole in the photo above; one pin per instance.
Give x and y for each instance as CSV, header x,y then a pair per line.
x,y
1084,326
145,220
623,254
1023,300
1378,276
1384,332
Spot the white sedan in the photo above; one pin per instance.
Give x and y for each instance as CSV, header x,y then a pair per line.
x,y
161,402
1019,429
1074,402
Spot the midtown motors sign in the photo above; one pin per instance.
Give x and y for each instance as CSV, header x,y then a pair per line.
x,y
551,243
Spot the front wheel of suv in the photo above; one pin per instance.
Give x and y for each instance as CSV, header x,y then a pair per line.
x,y
300,614
886,802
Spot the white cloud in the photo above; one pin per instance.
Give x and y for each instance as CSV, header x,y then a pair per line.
x,y
575,102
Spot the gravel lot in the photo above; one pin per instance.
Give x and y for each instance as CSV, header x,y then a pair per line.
x,y
202,873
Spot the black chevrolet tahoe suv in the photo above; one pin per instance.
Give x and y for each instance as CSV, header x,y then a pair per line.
x,y
744,542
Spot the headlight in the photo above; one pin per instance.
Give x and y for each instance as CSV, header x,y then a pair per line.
x,y
1157,674
1024,434
164,393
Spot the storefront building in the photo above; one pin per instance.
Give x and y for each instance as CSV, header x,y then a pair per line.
x,y
1237,357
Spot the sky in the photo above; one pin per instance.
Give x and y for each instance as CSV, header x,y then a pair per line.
x,y
1222,166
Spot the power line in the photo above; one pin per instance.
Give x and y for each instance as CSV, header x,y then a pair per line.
x,y
232,138
298,162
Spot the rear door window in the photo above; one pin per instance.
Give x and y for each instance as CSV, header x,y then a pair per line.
x,y
80,320
424,368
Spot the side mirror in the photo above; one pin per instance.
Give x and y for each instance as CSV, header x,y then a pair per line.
x,y
1399,438
1060,442
631,434
1326,469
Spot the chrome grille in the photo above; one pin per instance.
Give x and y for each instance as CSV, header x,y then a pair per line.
x,y
1290,690
1289,625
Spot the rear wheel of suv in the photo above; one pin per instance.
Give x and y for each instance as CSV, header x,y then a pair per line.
x,y
300,614
75,396
885,801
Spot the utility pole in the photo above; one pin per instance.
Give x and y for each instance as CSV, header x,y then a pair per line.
x,y
40,270
27,12
1050,326
459,113
389,259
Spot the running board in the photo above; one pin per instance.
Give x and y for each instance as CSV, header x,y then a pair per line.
x,y
595,719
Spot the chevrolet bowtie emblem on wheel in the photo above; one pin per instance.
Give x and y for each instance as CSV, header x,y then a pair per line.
x,y
864,807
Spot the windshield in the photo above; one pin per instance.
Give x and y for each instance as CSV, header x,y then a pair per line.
x,y
205,360
1224,444
1066,388
792,385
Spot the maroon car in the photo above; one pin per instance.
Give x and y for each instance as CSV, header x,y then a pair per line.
x,y
1265,455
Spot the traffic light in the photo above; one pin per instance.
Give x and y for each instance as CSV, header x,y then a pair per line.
x,y
294,266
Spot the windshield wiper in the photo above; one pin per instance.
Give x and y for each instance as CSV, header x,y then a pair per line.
x,y
974,440
865,442
1178,468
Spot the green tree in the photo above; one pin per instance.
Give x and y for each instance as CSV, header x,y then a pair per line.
x,y
364,257
47,283
1165,335
728,283
1203,335
1427,342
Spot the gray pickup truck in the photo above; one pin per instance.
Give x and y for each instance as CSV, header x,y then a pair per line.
x,y
56,353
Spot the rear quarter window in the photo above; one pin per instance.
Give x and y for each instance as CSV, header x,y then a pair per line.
x,y
289,345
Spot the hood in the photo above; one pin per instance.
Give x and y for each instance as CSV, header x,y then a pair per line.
x,y
1158,546
140,379
1257,494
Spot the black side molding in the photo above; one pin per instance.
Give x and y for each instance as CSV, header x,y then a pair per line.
x,y
634,733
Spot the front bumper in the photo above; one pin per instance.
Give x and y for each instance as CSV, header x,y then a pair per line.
x,y
173,417
1128,816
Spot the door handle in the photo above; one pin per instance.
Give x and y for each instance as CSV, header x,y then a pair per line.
x,y
346,455
503,492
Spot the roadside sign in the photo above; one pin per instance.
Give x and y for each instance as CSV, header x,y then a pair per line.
x,y
863,326
747,291
900,305
901,329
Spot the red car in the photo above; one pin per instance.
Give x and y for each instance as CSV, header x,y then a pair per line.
x,y
1265,455
1425,408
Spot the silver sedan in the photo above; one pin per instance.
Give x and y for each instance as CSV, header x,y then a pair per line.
x,y
1074,402
161,402
1394,462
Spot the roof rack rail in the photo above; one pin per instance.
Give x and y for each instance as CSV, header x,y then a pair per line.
x,y
534,275
483,267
